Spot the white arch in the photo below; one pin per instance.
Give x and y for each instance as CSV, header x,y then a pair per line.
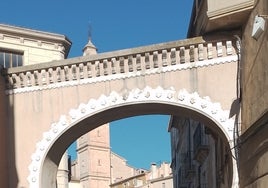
x,y
180,98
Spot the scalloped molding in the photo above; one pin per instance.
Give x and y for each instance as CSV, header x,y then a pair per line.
x,y
159,95
177,67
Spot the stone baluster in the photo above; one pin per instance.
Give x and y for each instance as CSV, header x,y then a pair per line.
x,y
200,52
14,81
130,63
97,68
81,71
105,67
147,60
36,80
89,72
101,68
138,62
43,77
122,64
210,50
21,76
74,72
58,73
173,56
182,55
191,53
229,48
66,73
29,79
164,58
113,65
219,49
50,75
155,59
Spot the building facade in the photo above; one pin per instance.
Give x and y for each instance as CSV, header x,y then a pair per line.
x,y
243,20
21,47
199,156
246,22
253,150
159,176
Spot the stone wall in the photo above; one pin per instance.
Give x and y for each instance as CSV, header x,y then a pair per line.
x,y
3,138
253,158
254,70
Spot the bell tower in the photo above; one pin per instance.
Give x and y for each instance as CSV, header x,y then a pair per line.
x,y
93,151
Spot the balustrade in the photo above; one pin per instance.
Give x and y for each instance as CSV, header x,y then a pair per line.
x,y
132,61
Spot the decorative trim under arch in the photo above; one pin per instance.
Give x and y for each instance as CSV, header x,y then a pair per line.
x,y
159,95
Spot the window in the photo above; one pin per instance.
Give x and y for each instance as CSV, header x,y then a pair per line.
x,y
10,59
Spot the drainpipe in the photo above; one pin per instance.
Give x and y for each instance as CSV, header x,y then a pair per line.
x,y
237,126
239,73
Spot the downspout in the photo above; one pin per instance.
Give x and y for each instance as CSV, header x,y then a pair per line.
x,y
237,126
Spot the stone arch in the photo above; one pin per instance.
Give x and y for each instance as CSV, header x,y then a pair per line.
x,y
192,103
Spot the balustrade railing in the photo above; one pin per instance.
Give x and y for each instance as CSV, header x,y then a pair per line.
x,y
134,61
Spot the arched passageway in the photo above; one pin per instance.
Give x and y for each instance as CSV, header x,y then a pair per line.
x,y
116,106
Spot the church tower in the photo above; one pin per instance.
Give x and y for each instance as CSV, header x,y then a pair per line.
x,y
93,151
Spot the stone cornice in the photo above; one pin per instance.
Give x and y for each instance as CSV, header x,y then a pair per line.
x,y
231,9
35,35
20,31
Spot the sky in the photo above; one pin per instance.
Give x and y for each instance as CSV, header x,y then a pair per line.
x,y
115,25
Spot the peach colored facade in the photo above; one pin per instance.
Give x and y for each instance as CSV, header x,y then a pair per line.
x,y
120,170
64,99
157,177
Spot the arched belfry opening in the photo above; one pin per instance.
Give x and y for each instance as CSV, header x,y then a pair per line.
x,y
96,112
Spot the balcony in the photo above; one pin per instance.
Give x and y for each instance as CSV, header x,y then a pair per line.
x,y
201,147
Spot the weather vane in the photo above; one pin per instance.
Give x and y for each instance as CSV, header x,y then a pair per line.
x,y
89,31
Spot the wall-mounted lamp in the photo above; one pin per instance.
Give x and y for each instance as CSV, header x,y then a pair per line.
x,y
258,26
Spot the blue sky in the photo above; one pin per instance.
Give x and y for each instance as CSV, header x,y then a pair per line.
x,y
116,24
